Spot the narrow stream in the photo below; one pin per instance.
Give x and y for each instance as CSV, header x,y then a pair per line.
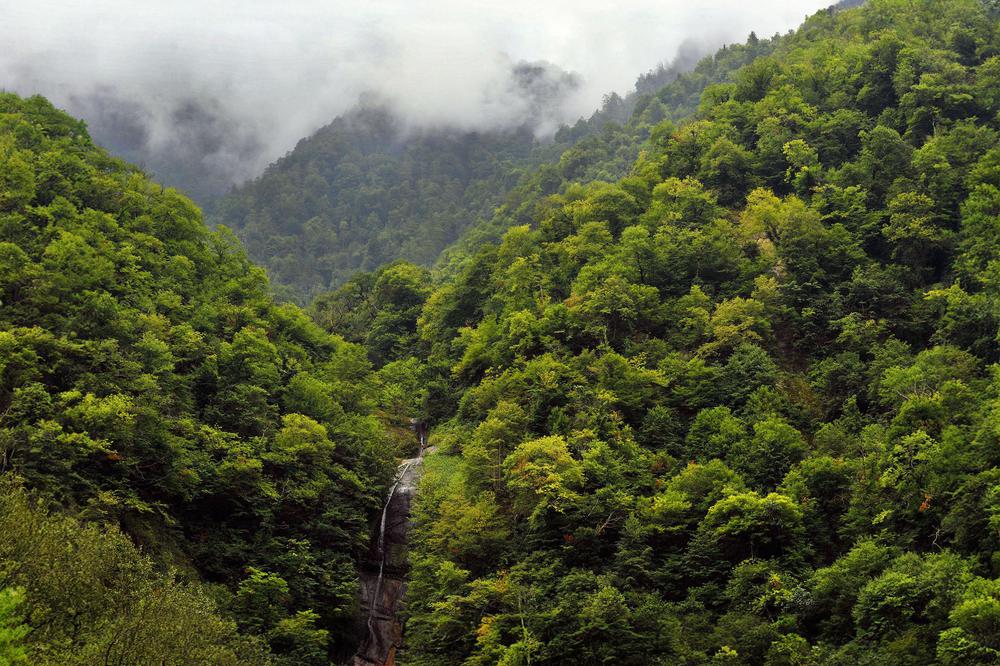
x,y
383,582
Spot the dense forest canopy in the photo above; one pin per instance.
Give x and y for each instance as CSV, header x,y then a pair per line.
x,y
362,191
740,405
150,383
713,383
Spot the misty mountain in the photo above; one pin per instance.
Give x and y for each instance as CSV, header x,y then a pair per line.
x,y
204,154
362,191
205,96
195,143
368,189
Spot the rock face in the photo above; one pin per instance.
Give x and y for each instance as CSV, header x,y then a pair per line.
x,y
383,577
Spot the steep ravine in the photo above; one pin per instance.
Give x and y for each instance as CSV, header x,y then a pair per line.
x,y
383,575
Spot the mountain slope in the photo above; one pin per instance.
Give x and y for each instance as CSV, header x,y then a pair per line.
x,y
366,190
739,406
362,191
149,381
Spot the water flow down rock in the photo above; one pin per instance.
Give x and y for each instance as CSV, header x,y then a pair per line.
x,y
383,576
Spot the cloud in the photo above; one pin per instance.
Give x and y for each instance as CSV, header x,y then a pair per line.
x,y
217,90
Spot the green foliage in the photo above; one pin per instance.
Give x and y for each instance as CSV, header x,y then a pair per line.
x,y
718,389
148,380
12,628
765,458
88,595
740,404
360,193
541,475
364,190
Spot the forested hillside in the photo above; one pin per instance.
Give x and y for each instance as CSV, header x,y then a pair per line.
x,y
604,147
741,405
366,189
150,387
715,382
360,192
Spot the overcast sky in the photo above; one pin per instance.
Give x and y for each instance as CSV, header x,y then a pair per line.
x,y
268,73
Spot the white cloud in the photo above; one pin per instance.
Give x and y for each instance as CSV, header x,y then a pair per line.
x,y
269,73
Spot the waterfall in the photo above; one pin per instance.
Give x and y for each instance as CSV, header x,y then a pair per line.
x,y
383,575
381,539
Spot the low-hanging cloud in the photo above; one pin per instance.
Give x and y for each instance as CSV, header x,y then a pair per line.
x,y
211,92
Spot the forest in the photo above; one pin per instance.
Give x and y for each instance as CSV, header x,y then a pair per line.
x,y
366,190
712,381
188,466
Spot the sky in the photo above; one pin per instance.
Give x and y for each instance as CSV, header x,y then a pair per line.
x,y
227,86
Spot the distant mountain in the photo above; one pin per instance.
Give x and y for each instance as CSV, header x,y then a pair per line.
x,y
366,189
191,143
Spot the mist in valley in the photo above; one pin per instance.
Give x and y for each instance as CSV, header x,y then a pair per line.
x,y
205,96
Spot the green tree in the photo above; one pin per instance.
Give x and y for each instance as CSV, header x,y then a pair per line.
x,y
12,628
542,476
765,458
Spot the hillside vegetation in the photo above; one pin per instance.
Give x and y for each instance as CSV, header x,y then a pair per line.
x,y
367,189
739,406
719,385
149,383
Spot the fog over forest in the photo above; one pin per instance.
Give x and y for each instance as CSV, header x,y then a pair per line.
x,y
205,95
500,334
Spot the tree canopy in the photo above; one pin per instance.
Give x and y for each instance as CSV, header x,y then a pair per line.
x,y
149,381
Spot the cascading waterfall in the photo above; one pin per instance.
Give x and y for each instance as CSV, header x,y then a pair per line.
x,y
381,539
383,576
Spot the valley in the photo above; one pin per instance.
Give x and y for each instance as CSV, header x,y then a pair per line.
x,y
708,377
